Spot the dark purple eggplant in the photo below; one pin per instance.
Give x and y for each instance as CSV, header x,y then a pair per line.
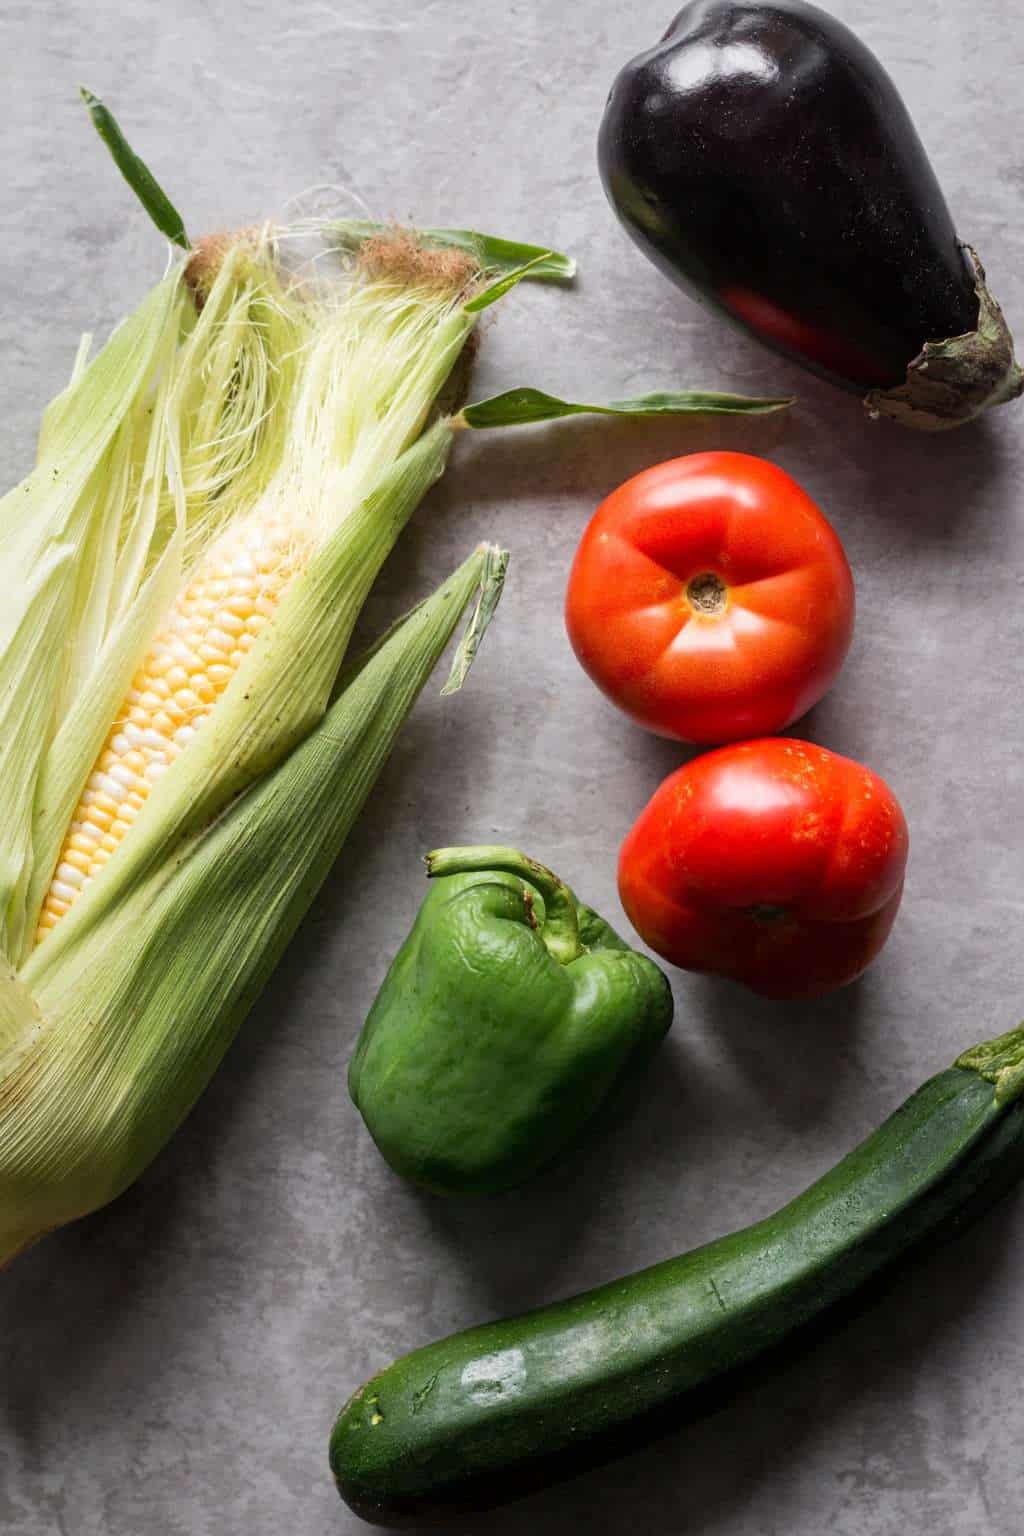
x,y
763,159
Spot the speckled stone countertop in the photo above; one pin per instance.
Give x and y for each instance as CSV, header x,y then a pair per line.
x,y
172,1366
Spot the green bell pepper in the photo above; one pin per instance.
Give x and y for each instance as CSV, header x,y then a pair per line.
x,y
505,1020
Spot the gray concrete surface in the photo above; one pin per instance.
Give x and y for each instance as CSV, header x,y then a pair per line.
x,y
171,1367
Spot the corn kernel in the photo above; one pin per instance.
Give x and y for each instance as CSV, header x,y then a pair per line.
x,y
215,619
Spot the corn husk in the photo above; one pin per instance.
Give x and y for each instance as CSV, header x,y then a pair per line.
x,y
236,390
103,1053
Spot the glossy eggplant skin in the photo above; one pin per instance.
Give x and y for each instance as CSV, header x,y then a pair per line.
x,y
762,158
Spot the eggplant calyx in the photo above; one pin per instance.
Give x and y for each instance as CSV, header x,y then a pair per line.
x,y
953,381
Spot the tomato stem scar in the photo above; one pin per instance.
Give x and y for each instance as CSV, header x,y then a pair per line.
x,y
707,594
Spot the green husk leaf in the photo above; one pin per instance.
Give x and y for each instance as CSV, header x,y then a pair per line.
x,y
47,527
492,254
139,1014
135,172
492,583
19,1015
501,286
525,406
49,424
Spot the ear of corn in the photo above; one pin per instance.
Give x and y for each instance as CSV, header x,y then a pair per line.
x,y
107,1051
180,759
284,420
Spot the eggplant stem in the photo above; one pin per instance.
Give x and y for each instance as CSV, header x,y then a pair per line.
x,y
952,381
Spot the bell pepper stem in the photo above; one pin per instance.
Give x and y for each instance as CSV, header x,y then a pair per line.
x,y
561,930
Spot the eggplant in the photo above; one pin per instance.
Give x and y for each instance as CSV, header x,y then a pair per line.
x,y
762,158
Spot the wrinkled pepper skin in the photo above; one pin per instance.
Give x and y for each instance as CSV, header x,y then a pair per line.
x,y
505,1020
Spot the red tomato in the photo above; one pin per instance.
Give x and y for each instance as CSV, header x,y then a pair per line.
x,y
774,862
710,599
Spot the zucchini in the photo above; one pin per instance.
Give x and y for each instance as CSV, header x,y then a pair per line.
x,y
496,1411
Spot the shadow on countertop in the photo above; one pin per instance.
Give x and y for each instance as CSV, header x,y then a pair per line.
x,y
515,1245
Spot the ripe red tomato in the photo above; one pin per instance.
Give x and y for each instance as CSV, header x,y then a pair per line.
x,y
775,862
710,599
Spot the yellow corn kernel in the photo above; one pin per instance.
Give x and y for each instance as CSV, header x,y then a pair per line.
x,y
215,620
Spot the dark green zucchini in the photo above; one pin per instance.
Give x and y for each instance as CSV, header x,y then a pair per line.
x,y
491,1413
